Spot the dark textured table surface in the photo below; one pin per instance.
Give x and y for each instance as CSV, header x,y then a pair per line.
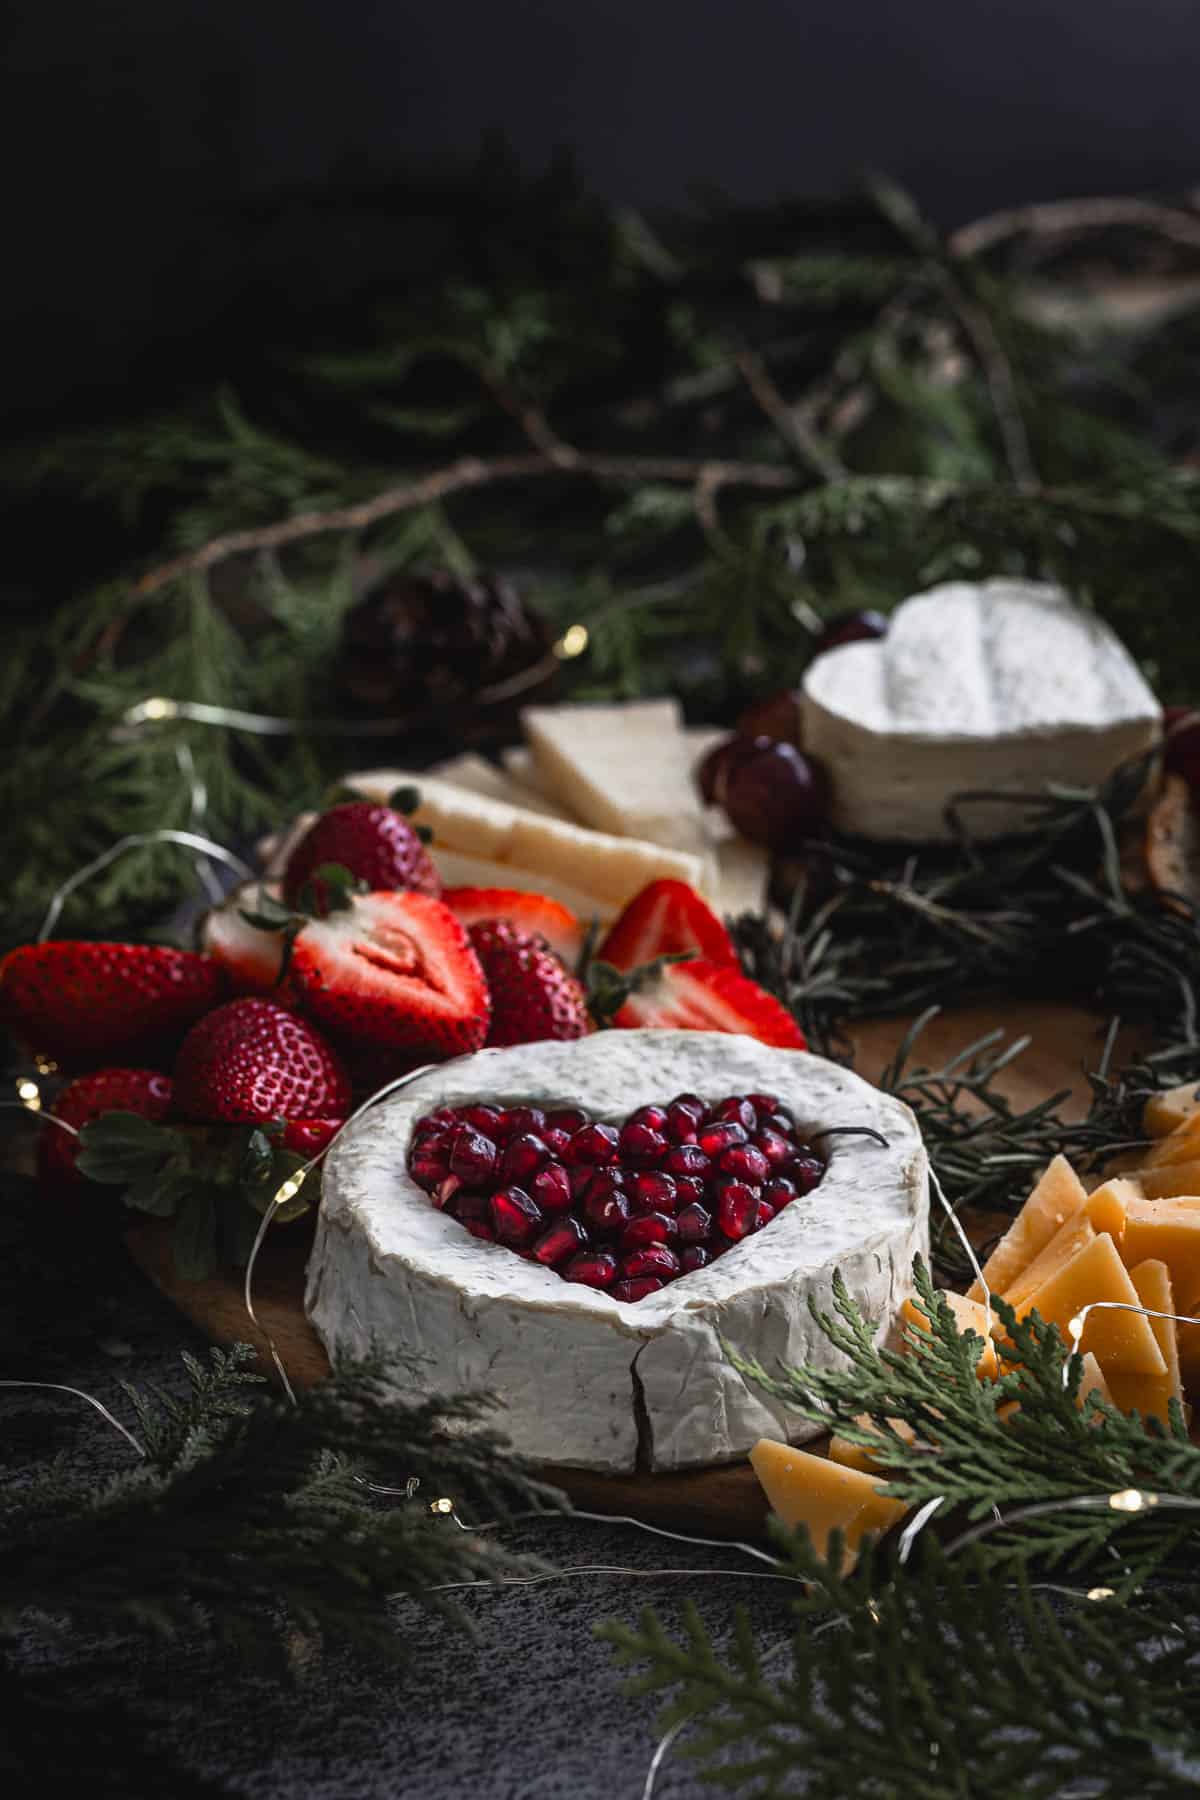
x,y
529,1708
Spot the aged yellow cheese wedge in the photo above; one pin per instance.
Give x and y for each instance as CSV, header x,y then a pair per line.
x,y
1122,1342
1102,1210
1171,1181
1057,1196
1093,1381
1150,1394
811,1490
1180,1145
1167,1111
969,1315
479,776
1168,1230
857,1456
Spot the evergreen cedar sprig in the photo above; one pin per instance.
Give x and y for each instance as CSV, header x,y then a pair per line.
x,y
952,1680
915,418
246,1514
929,1678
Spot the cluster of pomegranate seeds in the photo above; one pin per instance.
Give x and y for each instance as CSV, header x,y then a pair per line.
x,y
629,1208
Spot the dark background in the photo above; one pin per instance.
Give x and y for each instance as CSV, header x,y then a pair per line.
x,y
180,173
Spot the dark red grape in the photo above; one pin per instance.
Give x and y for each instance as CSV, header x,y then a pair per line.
x,y
850,628
712,776
1181,745
776,715
777,797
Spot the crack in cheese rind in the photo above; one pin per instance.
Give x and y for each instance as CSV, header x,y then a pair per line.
x,y
389,1271
1005,684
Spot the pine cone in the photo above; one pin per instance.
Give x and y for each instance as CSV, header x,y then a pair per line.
x,y
427,649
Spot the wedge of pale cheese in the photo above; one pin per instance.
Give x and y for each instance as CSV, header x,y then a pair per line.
x,y
479,776
625,769
532,848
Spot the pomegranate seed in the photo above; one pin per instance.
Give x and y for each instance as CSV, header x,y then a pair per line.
x,y
472,1155
764,1215
606,1206
780,1120
773,1145
566,1118
689,1188
738,1207
806,1172
779,1192
527,1118
636,1290
504,1127
593,1144
693,1258
745,1162
523,1156
466,1206
446,1191
686,1159
565,1238
642,1144
654,1259
551,1188
487,1119
735,1111
481,1229
428,1169
681,1125
653,1116
719,1136
651,1228
695,1224
689,1103
515,1215
652,1191
594,1268
556,1140
442,1116
764,1103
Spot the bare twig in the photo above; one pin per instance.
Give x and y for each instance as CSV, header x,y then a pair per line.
x,y
458,477
792,427
1001,382
1065,216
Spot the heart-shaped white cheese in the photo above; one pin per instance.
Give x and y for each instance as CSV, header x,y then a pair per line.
x,y
1002,684
586,1380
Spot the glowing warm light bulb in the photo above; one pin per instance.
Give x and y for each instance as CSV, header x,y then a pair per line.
x,y
29,1094
573,642
443,1506
290,1188
1100,1593
1129,1500
149,711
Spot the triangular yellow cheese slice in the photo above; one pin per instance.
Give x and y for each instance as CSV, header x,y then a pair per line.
x,y
1150,1394
1056,1197
1121,1341
1167,1111
969,1315
1103,1210
810,1490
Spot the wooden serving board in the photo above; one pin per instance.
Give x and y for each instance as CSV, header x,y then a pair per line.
x,y
724,1501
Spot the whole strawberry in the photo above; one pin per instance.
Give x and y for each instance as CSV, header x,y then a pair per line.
x,y
251,1060
375,843
146,1092
534,995
81,1002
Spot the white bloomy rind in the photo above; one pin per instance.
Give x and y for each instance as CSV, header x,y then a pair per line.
x,y
585,1379
1001,684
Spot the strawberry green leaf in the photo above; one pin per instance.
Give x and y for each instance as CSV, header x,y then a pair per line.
x,y
159,1194
121,1147
330,888
608,989
194,1240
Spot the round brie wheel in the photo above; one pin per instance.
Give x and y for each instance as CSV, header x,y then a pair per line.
x,y
584,1380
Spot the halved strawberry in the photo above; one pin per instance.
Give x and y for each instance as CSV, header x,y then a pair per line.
x,y
708,996
395,969
251,957
79,1002
664,918
537,914
146,1092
